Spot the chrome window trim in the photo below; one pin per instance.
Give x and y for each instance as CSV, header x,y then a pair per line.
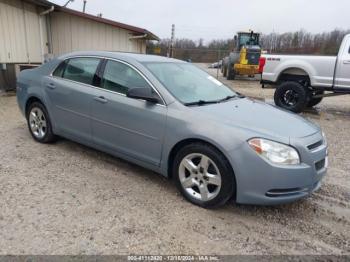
x,y
114,92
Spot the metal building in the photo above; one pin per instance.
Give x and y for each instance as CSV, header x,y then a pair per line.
x,y
34,30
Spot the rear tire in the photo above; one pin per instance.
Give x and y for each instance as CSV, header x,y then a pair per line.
x,y
39,123
291,96
203,175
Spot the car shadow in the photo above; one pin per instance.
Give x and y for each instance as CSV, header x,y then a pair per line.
x,y
95,154
295,209
301,209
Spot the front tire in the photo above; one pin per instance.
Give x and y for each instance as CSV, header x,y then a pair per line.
x,y
39,123
291,96
203,175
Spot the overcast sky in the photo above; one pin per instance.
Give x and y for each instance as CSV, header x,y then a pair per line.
x,y
214,19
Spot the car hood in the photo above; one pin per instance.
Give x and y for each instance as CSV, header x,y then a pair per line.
x,y
259,117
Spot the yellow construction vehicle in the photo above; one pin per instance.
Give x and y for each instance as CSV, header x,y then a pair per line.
x,y
244,59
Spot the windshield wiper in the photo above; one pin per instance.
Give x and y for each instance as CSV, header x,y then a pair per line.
x,y
204,102
201,102
227,98
230,97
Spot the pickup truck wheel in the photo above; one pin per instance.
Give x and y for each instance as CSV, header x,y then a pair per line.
x,y
315,101
291,96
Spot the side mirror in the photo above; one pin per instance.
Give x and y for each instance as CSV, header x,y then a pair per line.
x,y
144,93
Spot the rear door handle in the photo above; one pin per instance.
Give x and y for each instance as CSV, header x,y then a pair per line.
x,y
101,99
51,85
347,62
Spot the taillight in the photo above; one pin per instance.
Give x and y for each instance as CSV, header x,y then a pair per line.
x,y
262,62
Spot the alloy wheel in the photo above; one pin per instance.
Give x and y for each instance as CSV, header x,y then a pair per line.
x,y
290,98
37,122
199,177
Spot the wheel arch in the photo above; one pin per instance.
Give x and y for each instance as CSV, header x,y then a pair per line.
x,y
293,74
31,100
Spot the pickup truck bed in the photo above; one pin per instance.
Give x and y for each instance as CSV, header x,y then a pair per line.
x,y
320,69
303,80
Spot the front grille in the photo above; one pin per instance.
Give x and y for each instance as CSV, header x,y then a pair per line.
x,y
320,164
253,57
315,145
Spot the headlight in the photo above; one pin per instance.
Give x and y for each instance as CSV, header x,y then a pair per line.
x,y
274,152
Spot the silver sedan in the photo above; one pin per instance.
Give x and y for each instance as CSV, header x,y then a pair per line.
x,y
171,117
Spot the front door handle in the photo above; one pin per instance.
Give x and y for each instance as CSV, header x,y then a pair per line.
x,y
51,85
101,99
346,62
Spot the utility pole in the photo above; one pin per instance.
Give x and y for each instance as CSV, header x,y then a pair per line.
x,y
171,51
219,56
84,6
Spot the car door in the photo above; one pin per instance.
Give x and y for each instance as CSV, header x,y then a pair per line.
x,y
342,78
126,125
70,91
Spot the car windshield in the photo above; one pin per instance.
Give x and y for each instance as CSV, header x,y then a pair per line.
x,y
188,83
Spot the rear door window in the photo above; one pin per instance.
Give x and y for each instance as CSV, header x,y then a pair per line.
x,y
81,70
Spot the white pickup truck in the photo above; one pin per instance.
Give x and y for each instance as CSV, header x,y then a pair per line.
x,y
303,80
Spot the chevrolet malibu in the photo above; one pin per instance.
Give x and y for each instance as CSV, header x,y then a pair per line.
x,y
173,118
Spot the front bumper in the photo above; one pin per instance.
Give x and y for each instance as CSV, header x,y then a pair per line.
x,y
262,183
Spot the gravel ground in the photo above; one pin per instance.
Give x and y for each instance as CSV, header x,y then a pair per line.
x,y
65,198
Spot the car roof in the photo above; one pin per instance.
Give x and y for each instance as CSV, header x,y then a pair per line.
x,y
141,58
